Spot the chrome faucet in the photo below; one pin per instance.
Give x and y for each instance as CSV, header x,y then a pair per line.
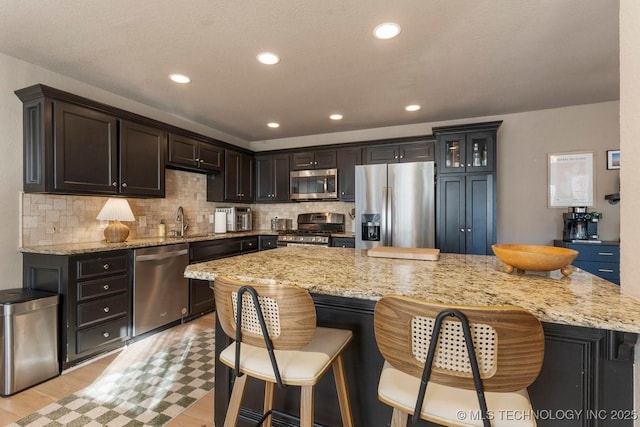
x,y
184,224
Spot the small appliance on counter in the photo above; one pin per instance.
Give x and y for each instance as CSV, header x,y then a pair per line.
x,y
281,224
580,225
238,219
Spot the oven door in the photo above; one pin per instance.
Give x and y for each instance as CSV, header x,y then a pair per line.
x,y
314,184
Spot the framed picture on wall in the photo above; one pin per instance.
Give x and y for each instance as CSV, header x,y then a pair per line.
x,y
613,159
571,180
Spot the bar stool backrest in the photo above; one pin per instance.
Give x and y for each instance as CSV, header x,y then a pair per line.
x,y
508,342
288,310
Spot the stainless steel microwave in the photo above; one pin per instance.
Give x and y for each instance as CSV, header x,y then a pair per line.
x,y
314,184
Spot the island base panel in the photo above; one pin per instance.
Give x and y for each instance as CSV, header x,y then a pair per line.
x,y
584,377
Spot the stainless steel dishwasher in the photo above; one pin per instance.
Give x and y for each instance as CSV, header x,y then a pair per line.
x,y
160,290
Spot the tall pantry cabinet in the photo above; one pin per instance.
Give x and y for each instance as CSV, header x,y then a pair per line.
x,y
466,188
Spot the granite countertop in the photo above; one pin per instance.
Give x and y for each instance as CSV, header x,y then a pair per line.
x,y
101,246
581,299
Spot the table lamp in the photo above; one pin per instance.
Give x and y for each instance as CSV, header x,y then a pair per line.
x,y
116,210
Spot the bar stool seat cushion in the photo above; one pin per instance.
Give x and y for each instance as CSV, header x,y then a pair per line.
x,y
449,405
297,367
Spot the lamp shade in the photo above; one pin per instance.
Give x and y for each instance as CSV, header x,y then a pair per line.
x,y
116,209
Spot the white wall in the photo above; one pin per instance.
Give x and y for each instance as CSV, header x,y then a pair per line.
x,y
629,145
630,151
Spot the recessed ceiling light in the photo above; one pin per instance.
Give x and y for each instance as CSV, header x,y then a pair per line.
x,y
273,125
268,58
412,107
336,117
386,31
179,78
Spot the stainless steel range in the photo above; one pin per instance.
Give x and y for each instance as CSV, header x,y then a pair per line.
x,y
313,229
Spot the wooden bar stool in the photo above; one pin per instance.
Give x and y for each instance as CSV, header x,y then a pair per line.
x,y
295,351
444,380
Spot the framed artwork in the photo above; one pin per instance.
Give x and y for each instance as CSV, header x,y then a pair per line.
x,y
570,177
613,159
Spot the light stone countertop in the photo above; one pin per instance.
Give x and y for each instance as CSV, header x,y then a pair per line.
x,y
103,245
581,299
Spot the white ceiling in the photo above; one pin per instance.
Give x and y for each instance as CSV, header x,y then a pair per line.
x,y
457,58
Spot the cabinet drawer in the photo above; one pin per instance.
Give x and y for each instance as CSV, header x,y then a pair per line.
x,y
595,252
214,249
102,309
343,242
101,266
267,242
105,333
607,270
249,245
102,287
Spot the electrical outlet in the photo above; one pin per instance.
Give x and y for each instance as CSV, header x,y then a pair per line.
x,y
142,221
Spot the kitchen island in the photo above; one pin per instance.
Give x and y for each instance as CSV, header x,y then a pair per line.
x,y
590,326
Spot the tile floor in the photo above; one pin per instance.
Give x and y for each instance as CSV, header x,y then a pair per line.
x,y
199,415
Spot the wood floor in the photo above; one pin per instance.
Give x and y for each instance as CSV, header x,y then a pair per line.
x,y
199,415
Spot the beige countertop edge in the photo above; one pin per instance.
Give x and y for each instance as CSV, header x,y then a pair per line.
x,y
102,246
581,299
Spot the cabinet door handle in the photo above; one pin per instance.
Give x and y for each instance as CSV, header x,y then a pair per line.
x,y
468,230
605,270
197,159
402,157
395,157
106,287
106,309
462,230
343,193
124,184
106,334
114,184
106,266
605,253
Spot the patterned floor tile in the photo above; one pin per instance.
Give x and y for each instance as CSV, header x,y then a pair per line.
x,y
149,393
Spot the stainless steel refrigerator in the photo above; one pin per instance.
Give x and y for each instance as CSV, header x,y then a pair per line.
x,y
395,205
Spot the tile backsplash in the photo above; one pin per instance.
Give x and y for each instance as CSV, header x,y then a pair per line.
x,y
56,219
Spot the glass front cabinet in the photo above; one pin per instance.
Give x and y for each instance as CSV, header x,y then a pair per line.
x,y
467,152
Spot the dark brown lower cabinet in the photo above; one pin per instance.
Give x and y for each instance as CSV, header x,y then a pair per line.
x,y
201,299
586,377
95,300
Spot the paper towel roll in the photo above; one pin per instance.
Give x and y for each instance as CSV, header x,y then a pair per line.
x,y
220,222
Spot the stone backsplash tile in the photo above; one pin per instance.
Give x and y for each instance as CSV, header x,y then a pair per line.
x,y
55,219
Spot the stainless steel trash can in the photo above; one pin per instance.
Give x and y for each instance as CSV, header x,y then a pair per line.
x,y
28,338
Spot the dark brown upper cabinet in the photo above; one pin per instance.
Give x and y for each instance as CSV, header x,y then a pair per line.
x,y
193,154
419,151
272,178
142,160
467,148
76,146
320,159
236,183
348,158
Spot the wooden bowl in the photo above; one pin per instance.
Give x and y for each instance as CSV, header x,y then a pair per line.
x,y
535,257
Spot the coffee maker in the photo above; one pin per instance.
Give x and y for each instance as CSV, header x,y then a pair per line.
x,y
580,225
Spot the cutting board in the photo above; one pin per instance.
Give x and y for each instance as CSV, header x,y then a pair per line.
x,y
427,254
